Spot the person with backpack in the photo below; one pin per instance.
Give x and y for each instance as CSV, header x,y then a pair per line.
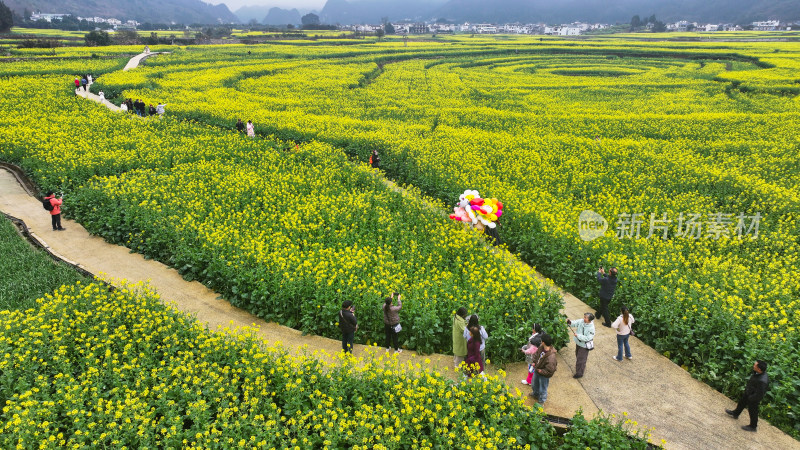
x,y
348,324
391,321
53,204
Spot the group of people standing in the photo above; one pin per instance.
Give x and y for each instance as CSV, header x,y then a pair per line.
x,y
83,82
249,128
348,323
141,109
469,342
469,345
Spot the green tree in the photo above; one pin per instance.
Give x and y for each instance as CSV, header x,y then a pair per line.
x,y
380,33
126,37
6,18
636,22
97,38
310,19
659,26
388,28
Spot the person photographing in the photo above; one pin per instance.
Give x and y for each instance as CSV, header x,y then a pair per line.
x,y
53,204
608,286
348,324
583,334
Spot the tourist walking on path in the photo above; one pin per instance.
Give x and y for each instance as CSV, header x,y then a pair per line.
x,y
459,342
623,325
239,126
530,348
546,364
348,324
77,84
152,110
160,109
474,361
101,96
754,392
251,131
84,84
391,321
608,285
123,107
55,209
584,341
474,322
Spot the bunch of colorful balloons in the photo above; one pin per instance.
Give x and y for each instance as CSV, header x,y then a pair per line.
x,y
477,211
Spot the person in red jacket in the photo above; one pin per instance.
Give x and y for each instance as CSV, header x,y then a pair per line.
x,y
55,214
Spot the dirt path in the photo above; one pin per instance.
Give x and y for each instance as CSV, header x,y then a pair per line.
x,y
655,392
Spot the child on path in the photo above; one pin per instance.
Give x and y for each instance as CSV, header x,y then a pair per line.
x,y
530,349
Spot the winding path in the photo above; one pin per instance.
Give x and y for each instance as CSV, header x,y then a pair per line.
x,y
655,392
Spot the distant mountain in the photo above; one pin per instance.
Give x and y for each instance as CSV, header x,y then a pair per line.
x,y
559,11
248,13
371,11
549,11
154,11
278,16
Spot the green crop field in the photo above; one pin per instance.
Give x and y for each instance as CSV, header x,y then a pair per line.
x,y
683,147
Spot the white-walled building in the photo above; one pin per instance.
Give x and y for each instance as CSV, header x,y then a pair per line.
x,y
766,25
48,17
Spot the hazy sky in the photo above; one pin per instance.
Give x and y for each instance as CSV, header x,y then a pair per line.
x,y
233,5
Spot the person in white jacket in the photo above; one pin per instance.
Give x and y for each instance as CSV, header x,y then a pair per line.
x,y
623,326
474,322
584,341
